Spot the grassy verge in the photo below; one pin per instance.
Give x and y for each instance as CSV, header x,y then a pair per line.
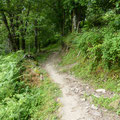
x,y
26,91
105,80
92,72
52,48
45,52
108,103
99,78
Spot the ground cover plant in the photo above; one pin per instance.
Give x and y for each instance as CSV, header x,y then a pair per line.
x,y
96,58
25,96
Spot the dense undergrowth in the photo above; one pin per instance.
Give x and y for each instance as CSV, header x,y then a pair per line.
x,y
96,52
96,73
24,93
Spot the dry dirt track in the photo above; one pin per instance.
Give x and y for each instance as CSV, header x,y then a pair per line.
x,y
74,106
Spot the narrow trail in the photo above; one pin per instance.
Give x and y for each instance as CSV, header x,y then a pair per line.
x,y
74,106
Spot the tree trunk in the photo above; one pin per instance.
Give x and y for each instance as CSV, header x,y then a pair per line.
x,y
74,21
17,36
23,36
36,35
78,26
12,26
39,46
10,36
63,23
23,43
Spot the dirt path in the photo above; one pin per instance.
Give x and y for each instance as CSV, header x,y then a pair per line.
x,y
74,106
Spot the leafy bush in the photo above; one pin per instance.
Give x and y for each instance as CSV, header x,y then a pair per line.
x,y
111,50
19,100
9,73
98,44
89,39
115,22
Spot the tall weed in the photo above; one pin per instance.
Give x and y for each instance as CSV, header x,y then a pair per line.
x,y
21,101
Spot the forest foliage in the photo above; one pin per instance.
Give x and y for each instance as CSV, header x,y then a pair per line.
x,y
33,24
87,28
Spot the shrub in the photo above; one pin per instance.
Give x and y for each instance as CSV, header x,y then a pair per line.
x,y
19,100
99,44
111,50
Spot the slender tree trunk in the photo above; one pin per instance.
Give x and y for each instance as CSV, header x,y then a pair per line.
x,y
17,36
12,26
23,43
29,48
63,24
36,35
24,30
39,46
74,21
23,36
10,36
78,26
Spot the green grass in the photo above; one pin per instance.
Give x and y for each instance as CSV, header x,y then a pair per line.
x,y
105,102
52,48
70,57
20,100
42,57
48,93
45,52
97,78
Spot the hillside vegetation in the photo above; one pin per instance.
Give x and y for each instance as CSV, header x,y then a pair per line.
x,y
96,51
94,54
25,95
86,32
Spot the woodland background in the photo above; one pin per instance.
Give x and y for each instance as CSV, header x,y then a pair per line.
x,y
88,30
